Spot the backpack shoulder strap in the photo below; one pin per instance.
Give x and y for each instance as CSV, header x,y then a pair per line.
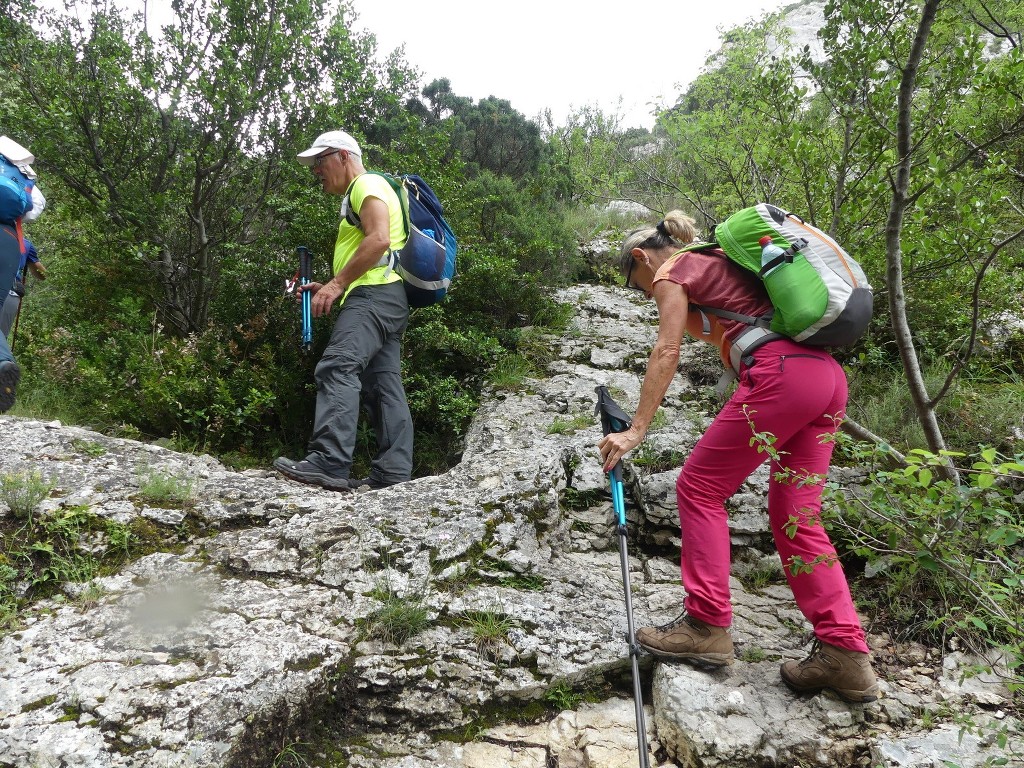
x,y
399,187
709,247
762,321
348,213
714,249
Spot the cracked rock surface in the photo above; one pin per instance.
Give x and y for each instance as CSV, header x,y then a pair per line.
x,y
252,634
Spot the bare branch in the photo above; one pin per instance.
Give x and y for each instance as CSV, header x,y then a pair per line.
x,y
860,432
961,361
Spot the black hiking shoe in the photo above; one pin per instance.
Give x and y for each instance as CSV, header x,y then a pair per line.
x,y
10,375
305,472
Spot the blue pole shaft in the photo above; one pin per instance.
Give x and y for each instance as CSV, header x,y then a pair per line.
x,y
306,277
619,505
307,316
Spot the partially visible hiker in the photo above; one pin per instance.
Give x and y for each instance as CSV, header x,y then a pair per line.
x,y
12,304
20,200
364,353
793,393
10,258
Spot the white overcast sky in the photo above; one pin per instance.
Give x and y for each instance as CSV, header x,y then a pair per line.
x,y
560,53
557,54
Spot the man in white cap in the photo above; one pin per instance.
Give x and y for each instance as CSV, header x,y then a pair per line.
x,y
364,353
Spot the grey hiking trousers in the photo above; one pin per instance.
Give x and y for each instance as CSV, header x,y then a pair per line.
x,y
364,355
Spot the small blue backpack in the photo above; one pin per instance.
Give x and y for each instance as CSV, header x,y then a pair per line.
x,y
15,192
427,260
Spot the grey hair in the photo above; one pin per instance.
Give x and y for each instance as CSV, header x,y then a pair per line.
x,y
677,229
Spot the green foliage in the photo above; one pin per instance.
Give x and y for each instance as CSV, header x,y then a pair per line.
x,y
291,756
655,459
760,577
574,499
563,697
178,166
526,582
585,160
489,629
88,447
589,221
44,553
950,553
489,136
729,134
523,231
511,372
560,426
23,492
157,487
400,615
753,655
983,407
223,388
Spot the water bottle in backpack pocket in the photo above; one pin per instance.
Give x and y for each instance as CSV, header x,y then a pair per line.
x,y
798,296
820,294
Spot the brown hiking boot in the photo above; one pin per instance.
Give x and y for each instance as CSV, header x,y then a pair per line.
x,y
848,673
688,639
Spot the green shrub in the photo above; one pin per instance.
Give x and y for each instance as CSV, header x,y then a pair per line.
x,y
949,553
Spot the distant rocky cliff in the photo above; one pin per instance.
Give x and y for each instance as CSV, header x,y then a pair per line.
x,y
255,639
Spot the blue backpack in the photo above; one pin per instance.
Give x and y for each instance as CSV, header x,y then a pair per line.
x,y
15,192
427,260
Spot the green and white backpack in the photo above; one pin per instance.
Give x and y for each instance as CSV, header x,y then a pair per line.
x,y
820,294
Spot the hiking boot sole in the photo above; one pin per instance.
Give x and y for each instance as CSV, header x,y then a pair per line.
x,y
701,659
846,694
10,375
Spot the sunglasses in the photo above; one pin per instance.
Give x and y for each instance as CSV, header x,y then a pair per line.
x,y
320,158
629,277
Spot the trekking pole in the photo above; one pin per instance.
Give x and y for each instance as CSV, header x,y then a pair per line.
x,y
17,317
614,419
305,276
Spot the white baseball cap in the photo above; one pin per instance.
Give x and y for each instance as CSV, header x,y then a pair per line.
x,y
330,140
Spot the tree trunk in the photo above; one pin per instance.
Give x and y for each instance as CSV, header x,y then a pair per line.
x,y
900,203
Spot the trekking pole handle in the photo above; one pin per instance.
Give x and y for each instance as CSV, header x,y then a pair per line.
x,y
305,277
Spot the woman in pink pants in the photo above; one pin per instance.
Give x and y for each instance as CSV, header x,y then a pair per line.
x,y
791,395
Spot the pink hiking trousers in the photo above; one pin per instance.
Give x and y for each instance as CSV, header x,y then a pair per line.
x,y
798,395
